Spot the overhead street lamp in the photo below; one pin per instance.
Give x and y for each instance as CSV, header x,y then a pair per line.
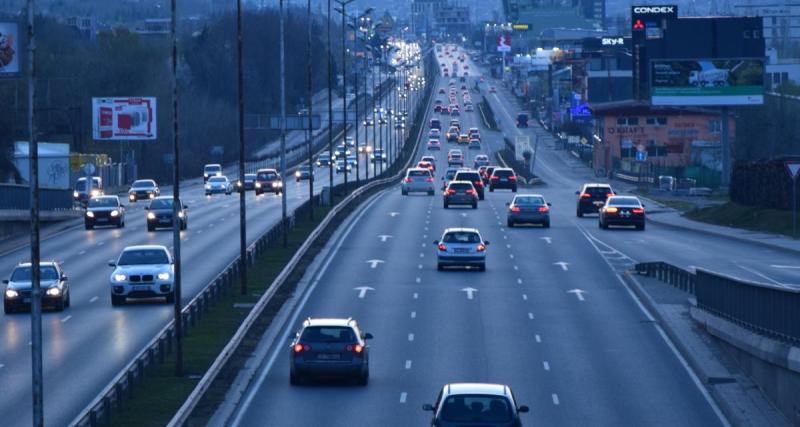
x,y
342,9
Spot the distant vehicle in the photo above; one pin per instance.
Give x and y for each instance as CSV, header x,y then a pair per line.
x,y
324,159
468,107
349,141
474,133
424,164
592,197
249,183
474,144
461,247
492,89
329,347
455,123
341,151
430,159
622,210
81,195
472,176
452,134
417,180
210,170
434,144
715,77
503,178
52,281
378,155
528,209
463,139
159,214
522,120
218,184
435,124
104,210
143,189
268,180
448,176
476,404
145,271
455,157
434,134
479,161
303,171
343,166
460,193
364,148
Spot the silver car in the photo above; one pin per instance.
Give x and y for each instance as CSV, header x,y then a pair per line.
x,y
145,271
462,247
528,209
218,184
417,180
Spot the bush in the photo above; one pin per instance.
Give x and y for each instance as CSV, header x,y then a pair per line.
x,y
762,183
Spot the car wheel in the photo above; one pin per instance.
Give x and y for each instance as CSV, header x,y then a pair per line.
x,y
88,226
403,193
474,205
117,300
171,297
446,205
430,193
482,267
491,189
363,379
546,224
481,197
579,213
7,309
640,227
602,225
68,302
514,189
59,306
439,266
510,223
294,379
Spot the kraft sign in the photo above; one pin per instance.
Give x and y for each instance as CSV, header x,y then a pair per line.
x,y
123,119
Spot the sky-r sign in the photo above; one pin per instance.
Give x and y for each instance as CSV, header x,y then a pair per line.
x,y
123,119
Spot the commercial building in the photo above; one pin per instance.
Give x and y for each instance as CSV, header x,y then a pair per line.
x,y
439,17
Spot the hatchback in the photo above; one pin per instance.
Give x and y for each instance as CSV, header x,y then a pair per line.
x,y
329,347
461,247
417,180
476,404
472,176
460,193
528,209
503,178
592,197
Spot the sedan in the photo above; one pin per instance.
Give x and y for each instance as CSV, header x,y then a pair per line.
x,y
52,281
622,210
104,210
218,184
303,172
460,193
145,271
474,144
143,189
434,144
160,214
528,209
249,183
461,247
327,348
476,404
479,161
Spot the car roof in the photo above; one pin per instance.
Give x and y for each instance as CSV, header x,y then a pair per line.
x,y
164,197
212,164
41,263
267,170
106,196
596,184
458,229
329,321
477,388
145,247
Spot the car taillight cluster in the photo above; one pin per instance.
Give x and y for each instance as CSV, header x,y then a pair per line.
x,y
409,180
586,196
609,195
495,178
442,247
355,348
512,178
612,210
429,179
470,191
515,208
478,183
544,209
300,347
451,191
481,247
638,211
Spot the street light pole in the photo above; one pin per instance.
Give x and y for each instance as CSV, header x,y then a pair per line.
x,y
343,11
285,225
243,191
310,115
330,111
177,207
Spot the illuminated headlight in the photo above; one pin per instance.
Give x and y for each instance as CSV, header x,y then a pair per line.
x,y
152,195
205,175
89,214
115,213
95,193
238,183
318,163
347,152
180,214
53,292
132,197
297,174
163,276
277,184
75,194
258,185
10,293
219,173
120,277
208,186
151,215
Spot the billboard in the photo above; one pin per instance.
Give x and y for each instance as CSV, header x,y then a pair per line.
x,y
9,49
649,21
707,82
53,163
123,119
504,43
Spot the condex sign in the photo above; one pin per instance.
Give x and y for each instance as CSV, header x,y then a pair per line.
x,y
654,9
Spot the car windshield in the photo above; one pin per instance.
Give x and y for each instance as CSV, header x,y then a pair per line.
x,y
267,176
334,334
161,204
81,184
144,184
23,274
529,200
218,180
103,202
476,409
143,257
598,191
461,237
422,173
624,201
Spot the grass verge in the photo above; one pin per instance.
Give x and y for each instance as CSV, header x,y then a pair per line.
x,y
161,393
747,217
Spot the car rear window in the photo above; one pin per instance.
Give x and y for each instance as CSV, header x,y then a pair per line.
x,y
598,191
333,334
624,201
143,257
419,173
468,176
503,172
476,409
460,185
529,200
461,237
23,274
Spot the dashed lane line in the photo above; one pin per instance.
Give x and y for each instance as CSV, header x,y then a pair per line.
x,y
408,364
413,314
530,316
66,319
403,397
524,297
93,299
411,337
538,338
555,399
546,365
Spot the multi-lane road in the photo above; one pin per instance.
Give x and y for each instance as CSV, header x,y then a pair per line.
x,y
86,345
551,316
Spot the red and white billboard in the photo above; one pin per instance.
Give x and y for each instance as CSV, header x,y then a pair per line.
x,y
504,43
123,119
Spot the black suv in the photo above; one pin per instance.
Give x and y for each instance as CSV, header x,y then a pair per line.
x,y
592,197
329,347
159,214
474,177
104,210
503,178
268,180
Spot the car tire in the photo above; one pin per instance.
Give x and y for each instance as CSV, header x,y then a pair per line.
x,y
514,190
579,213
88,226
481,197
363,379
510,223
117,300
446,205
403,193
602,225
430,193
171,297
546,224
68,301
295,379
150,228
474,205
482,267
121,224
7,309
59,306
491,189
640,227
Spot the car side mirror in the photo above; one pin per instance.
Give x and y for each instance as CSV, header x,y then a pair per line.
x,y
508,203
427,407
186,206
5,281
643,205
368,336
578,192
486,242
549,204
435,242
64,278
523,409
112,263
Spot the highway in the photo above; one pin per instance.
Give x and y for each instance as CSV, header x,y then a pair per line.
x,y
86,345
550,317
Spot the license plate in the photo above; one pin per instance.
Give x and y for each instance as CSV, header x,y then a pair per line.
x,y
503,179
329,356
141,288
102,220
599,203
461,250
164,221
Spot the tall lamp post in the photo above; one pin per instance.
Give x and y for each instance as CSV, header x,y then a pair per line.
x,y
330,110
284,224
342,9
310,95
243,192
176,201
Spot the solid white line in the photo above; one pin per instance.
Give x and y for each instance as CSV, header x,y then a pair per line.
x,y
419,266
403,395
507,245
530,316
516,268
411,337
525,297
265,371
421,255
413,314
555,399
761,275
546,366
538,338
785,266
64,320
100,243
93,299
408,364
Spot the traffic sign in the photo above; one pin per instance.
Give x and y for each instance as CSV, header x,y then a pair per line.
x,y
793,167
641,155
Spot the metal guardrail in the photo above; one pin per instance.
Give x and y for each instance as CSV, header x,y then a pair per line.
x,y
770,310
183,414
15,196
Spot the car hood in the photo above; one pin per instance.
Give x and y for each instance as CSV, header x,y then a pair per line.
x,y
104,209
45,284
161,211
142,269
140,189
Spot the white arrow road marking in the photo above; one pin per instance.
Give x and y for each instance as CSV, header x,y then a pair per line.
x,y
464,214
394,214
578,292
362,290
562,264
66,319
81,252
93,299
469,291
785,266
547,239
408,364
384,237
374,262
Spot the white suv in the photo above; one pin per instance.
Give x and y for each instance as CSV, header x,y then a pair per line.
x,y
142,272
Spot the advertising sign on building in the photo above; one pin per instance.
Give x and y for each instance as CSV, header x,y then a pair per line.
x,y
707,82
522,144
9,49
649,21
53,163
504,43
123,119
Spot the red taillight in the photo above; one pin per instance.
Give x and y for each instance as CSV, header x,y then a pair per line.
x,y
481,247
478,183
442,247
409,180
428,179
299,348
515,208
451,191
638,211
495,177
544,209
609,195
470,191
512,178
356,348
586,196
611,210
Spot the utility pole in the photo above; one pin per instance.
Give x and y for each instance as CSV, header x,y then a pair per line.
x,y
343,11
37,377
330,110
374,119
243,191
366,144
310,108
285,225
177,207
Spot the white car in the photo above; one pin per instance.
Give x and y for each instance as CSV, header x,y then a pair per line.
x,y
142,272
218,184
417,180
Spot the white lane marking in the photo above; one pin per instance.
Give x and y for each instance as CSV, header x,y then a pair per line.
x,y
578,292
761,275
408,364
199,231
505,237
516,268
538,338
562,264
362,290
419,266
413,314
508,245
419,279
93,299
423,245
546,365
101,243
470,292
530,316
394,214
64,320
525,297
426,228
81,252
416,295
421,255
547,239
463,214
373,263
403,395
502,229
511,256
411,337
555,399
499,223
384,237
2,366
211,225
785,266
424,236
519,281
